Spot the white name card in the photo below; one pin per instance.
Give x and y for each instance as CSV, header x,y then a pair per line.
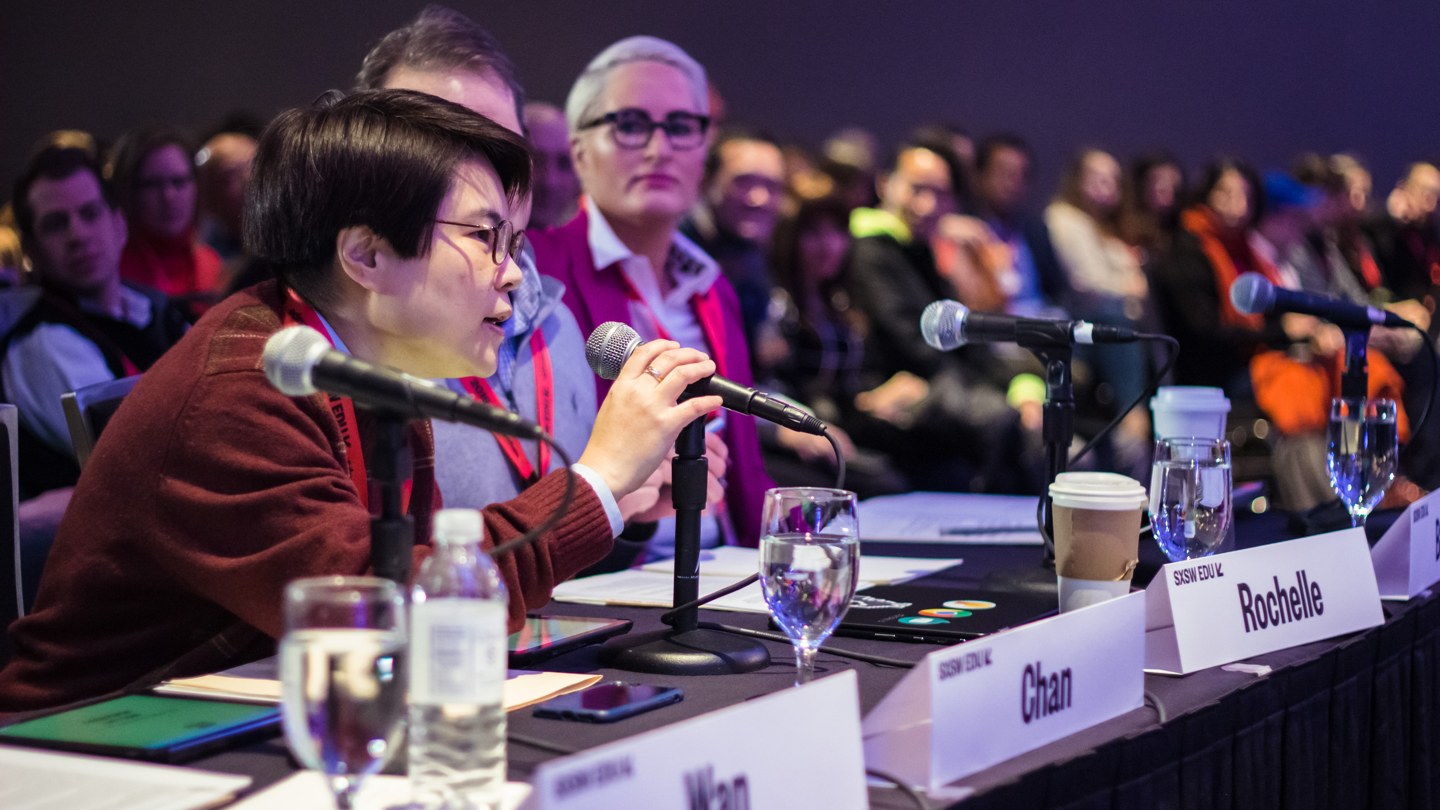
x,y
1214,610
967,707
791,748
1407,558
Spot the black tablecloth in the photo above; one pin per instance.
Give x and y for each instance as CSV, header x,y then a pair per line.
x,y
1345,723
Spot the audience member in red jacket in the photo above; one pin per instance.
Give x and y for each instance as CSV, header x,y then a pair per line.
x,y
385,215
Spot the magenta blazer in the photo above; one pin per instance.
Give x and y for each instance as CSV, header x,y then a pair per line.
x,y
596,297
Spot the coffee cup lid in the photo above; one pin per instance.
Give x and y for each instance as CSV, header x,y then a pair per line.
x,y
1190,397
1097,490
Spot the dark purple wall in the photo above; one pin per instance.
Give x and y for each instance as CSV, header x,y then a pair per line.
x,y
1261,78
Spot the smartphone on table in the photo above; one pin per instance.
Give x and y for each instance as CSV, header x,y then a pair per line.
x,y
608,702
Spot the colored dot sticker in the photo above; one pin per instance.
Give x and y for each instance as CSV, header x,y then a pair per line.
x,y
945,613
970,604
922,620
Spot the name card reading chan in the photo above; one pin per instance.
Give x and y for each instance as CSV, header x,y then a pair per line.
x,y
1407,558
1215,610
967,707
797,747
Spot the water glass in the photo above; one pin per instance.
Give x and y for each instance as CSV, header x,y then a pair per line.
x,y
1190,510
341,670
1363,452
809,565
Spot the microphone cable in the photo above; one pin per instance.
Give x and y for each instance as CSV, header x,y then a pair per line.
x,y
1174,353
553,518
1434,379
668,617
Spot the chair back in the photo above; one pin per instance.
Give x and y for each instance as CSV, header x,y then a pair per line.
x,y
89,409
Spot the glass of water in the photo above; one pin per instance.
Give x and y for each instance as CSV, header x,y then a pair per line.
x,y
1190,496
342,675
1363,452
809,565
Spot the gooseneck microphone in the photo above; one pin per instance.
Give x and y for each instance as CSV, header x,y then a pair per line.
x,y
1253,294
299,361
948,325
612,343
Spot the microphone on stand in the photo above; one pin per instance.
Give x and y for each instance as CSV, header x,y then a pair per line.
x,y
612,343
299,361
948,325
1253,294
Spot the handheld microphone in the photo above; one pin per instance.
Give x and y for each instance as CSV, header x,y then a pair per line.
x,y
612,343
299,361
1253,294
948,325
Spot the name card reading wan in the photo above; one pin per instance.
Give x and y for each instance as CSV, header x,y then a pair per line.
x,y
965,708
1407,558
1211,611
791,748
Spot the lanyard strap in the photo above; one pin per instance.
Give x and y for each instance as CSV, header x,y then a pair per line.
x,y
342,408
514,451
706,307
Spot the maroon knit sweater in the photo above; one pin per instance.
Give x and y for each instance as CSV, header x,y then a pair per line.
x,y
210,491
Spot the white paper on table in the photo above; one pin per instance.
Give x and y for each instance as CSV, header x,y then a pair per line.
x,y
523,687
43,780
739,562
308,789
949,517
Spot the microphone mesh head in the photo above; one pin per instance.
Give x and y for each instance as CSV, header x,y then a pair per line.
x,y
1252,294
942,325
609,346
289,357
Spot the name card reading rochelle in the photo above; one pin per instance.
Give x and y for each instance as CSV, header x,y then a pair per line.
x,y
1407,558
967,707
791,748
1215,610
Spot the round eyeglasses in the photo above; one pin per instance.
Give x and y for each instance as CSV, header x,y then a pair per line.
x,y
502,238
632,128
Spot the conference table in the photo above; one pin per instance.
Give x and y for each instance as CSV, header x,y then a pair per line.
x,y
1349,722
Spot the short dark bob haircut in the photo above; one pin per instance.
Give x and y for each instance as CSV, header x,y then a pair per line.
x,y
383,159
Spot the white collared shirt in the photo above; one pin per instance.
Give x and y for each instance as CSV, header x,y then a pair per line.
x,y
691,273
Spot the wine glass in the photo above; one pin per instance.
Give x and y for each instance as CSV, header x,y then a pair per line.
x,y
342,674
809,565
1363,452
1190,510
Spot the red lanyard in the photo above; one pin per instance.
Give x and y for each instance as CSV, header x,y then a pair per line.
x,y
342,408
544,411
707,310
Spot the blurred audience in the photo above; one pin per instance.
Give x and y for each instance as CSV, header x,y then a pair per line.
x,y
556,197
739,204
1035,286
153,172
1106,283
222,167
943,415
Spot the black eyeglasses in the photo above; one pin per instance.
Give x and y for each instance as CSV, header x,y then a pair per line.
x,y
502,238
633,128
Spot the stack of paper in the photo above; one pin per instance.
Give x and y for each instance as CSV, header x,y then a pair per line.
x,y
653,585
308,789
949,517
41,780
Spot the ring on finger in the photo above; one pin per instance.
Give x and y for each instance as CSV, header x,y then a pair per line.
x,y
655,374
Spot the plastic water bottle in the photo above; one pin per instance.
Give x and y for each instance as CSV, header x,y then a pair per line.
x,y
458,661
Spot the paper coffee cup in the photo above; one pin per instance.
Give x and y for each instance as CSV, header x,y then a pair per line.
x,y
1179,411
1097,535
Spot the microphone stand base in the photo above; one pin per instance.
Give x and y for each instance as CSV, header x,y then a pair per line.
x,y
685,652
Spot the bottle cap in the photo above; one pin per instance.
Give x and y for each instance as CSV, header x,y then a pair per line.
x,y
458,526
